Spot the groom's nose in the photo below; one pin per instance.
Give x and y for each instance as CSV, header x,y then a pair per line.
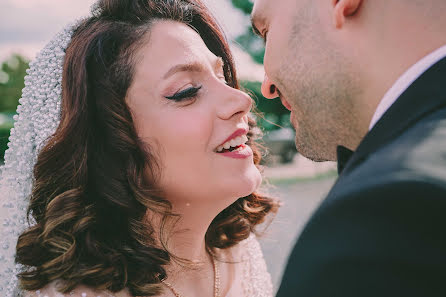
x,y
269,90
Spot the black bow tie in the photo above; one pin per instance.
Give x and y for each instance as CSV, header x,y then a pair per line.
x,y
344,154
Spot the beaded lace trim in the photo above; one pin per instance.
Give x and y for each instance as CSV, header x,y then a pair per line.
x,y
38,116
257,280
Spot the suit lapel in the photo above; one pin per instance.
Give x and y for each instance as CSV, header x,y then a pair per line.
x,y
344,155
426,95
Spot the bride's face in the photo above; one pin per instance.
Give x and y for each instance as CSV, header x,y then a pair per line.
x,y
183,107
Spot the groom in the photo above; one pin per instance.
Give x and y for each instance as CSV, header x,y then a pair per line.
x,y
365,81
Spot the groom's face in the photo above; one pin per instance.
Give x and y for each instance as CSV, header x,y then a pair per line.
x,y
310,74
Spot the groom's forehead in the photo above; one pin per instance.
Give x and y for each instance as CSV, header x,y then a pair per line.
x,y
260,6
263,8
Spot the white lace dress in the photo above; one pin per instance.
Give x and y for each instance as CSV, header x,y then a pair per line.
x,y
256,279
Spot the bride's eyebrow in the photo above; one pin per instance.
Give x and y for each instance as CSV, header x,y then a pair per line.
x,y
187,67
193,67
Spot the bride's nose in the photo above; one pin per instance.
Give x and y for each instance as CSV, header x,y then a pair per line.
x,y
269,90
235,103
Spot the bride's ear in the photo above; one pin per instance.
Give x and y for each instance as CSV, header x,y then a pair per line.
x,y
342,9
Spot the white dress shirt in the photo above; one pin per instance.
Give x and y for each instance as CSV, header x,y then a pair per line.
x,y
404,82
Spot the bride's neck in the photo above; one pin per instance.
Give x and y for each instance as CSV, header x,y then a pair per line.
x,y
186,240
186,234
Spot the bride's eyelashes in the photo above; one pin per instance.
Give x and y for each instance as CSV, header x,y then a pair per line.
x,y
192,92
186,94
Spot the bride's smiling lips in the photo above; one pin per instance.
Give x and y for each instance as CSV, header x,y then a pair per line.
x,y
235,145
237,133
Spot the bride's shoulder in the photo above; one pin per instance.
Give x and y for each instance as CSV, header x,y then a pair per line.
x,y
245,251
51,290
249,248
257,280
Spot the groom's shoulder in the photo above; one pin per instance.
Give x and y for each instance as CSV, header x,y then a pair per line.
x,y
416,156
421,149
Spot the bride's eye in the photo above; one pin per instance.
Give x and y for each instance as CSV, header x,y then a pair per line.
x,y
186,94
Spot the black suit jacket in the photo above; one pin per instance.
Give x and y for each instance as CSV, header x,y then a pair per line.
x,y
381,231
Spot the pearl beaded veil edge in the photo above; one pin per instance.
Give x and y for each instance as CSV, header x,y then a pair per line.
x,y
38,116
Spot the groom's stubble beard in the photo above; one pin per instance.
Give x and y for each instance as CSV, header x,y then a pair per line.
x,y
321,85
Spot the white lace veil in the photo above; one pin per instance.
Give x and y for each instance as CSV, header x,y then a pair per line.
x,y
37,119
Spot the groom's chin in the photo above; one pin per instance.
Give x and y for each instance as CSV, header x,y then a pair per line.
x,y
313,149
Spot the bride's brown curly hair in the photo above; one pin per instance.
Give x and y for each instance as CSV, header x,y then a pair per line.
x,y
95,180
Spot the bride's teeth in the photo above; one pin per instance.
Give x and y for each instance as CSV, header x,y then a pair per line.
x,y
238,141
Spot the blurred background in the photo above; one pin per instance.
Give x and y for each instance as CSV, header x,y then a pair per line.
x,y
27,25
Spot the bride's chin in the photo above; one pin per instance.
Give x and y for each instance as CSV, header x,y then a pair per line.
x,y
257,182
251,183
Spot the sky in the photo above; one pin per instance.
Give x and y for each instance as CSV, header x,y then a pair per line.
x,y
27,25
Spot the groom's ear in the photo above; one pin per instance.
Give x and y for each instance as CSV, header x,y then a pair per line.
x,y
342,9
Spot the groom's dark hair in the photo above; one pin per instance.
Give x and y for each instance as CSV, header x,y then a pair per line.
x,y
95,180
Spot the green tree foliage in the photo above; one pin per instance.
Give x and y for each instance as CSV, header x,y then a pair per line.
x,y
4,136
244,5
252,44
12,74
274,113
249,41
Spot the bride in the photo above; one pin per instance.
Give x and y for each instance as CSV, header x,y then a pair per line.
x,y
133,154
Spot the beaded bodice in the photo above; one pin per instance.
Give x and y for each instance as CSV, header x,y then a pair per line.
x,y
256,279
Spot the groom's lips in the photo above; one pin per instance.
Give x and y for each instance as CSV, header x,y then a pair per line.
x,y
285,103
